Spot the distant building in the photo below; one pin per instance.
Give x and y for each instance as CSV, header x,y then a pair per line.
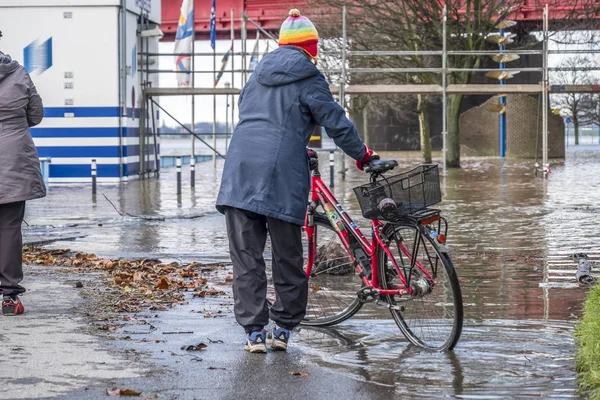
x,y
82,56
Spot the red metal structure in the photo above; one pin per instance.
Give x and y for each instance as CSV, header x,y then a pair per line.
x,y
269,14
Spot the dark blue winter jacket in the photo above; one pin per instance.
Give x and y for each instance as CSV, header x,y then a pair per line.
x,y
267,168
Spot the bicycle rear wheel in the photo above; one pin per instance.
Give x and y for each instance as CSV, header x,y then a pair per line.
x,y
431,318
333,283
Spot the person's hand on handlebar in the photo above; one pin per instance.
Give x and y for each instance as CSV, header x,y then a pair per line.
x,y
370,155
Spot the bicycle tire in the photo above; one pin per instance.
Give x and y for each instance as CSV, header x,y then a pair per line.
x,y
344,313
420,333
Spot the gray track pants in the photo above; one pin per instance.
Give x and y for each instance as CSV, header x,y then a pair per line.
x,y
247,233
11,248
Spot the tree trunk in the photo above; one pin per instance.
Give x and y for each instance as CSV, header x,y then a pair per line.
x,y
453,138
576,129
424,130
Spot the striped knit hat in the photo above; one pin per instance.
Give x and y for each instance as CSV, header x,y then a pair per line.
x,y
298,31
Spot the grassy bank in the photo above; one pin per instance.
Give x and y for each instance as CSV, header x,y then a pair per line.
x,y
588,351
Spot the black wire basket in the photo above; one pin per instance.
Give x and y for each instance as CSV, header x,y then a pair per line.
x,y
395,197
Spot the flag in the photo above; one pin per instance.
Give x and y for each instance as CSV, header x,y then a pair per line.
x,y
224,61
213,24
254,56
183,43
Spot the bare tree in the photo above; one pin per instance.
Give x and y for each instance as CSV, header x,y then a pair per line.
x,y
573,104
591,112
417,24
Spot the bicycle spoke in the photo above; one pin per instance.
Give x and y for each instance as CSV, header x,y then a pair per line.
x,y
323,271
333,283
430,317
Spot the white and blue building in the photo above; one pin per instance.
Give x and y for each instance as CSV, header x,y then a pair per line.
x,y
83,57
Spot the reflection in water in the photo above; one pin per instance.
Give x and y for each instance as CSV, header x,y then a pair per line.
x,y
511,234
494,360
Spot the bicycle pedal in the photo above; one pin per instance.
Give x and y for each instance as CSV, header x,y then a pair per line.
x,y
368,294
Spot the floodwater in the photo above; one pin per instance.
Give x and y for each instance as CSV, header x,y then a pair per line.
x,y
511,233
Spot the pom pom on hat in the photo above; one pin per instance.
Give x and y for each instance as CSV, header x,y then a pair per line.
x,y
299,31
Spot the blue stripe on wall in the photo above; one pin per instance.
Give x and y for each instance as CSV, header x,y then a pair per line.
x,y
88,112
133,132
81,112
74,132
92,151
89,151
131,150
133,112
83,171
132,168
134,150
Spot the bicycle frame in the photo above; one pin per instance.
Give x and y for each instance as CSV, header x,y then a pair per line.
x,y
320,194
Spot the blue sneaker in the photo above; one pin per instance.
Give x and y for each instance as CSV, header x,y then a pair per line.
x,y
255,343
278,338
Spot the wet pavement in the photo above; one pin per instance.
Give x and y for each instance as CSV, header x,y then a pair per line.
x,y
511,232
48,351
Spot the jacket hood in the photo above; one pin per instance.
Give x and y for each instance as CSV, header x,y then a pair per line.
x,y
7,65
284,66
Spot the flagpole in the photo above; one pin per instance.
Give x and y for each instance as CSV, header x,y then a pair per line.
x,y
193,155
213,44
214,130
232,77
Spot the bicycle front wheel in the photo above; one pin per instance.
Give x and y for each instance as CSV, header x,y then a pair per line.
x,y
333,283
432,317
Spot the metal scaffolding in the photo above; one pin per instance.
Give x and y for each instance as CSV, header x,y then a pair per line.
x,y
343,89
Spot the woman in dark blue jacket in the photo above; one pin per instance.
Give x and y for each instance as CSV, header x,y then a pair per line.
x,y
266,179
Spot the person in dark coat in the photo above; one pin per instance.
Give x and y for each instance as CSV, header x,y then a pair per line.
x,y
20,177
266,179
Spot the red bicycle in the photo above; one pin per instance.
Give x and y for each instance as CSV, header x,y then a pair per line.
x,y
405,266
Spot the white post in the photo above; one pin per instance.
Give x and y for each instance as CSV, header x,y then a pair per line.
x,y
193,171
193,155
545,164
343,83
94,176
178,165
444,91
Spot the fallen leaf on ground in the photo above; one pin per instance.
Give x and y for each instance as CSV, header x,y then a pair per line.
x,y
224,369
163,283
196,347
78,284
208,315
138,276
122,392
107,328
294,373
